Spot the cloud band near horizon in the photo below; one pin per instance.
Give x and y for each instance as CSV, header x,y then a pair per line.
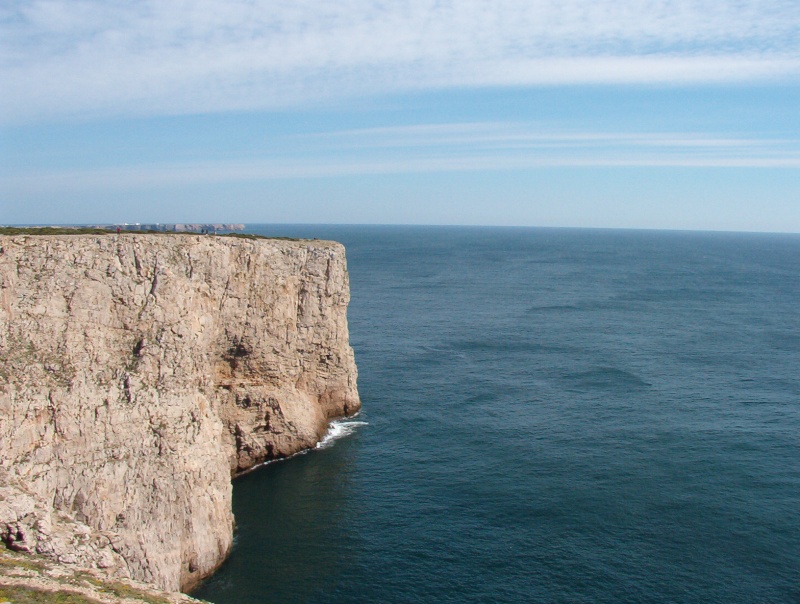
x,y
473,147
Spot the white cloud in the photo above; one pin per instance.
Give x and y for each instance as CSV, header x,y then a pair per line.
x,y
150,56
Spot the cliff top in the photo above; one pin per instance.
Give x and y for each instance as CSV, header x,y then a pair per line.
x,y
11,231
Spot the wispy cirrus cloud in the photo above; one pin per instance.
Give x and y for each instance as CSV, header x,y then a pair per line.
x,y
518,135
430,148
146,57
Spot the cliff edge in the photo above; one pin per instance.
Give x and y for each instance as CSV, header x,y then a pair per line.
x,y
138,373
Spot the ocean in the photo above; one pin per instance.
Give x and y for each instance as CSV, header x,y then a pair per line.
x,y
549,415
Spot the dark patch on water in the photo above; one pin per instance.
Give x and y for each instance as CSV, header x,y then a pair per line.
x,y
505,345
610,378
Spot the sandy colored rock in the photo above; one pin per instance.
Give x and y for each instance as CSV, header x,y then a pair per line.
x,y
139,372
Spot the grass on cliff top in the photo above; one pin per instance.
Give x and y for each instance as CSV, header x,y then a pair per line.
x,y
87,231
121,590
51,231
32,566
18,594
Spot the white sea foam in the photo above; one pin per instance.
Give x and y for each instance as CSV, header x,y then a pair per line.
x,y
339,429
336,429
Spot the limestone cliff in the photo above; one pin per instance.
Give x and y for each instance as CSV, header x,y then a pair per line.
x,y
139,372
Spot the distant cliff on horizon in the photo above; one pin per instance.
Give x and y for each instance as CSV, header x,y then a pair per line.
x,y
177,227
139,373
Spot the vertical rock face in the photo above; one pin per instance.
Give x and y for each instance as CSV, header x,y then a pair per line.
x,y
138,373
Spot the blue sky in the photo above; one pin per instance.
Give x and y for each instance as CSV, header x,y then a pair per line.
x,y
640,114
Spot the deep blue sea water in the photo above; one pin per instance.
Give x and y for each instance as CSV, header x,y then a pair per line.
x,y
552,415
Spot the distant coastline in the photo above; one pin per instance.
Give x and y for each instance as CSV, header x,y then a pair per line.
x,y
177,227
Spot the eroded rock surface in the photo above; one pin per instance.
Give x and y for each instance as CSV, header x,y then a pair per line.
x,y
139,372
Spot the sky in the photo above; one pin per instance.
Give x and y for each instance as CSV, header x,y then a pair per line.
x,y
668,114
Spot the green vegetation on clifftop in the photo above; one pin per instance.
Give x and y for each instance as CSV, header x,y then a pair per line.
x,y
31,579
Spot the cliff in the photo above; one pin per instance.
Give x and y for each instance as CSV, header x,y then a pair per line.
x,y
139,372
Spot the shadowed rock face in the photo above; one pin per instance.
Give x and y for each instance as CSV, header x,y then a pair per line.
x,y
138,373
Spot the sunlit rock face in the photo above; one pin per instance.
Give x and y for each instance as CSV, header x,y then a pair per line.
x,y
139,372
